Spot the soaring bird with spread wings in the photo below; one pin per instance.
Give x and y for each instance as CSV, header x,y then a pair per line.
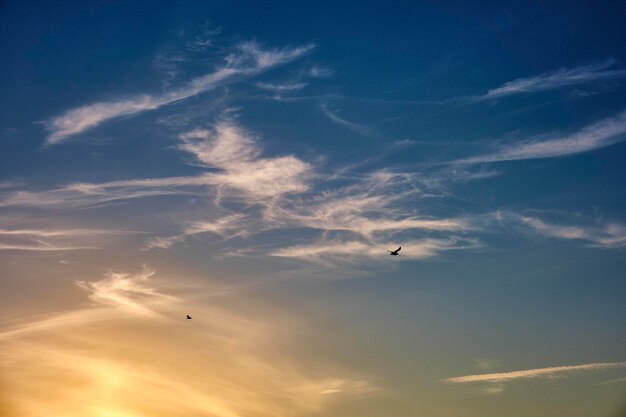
x,y
394,252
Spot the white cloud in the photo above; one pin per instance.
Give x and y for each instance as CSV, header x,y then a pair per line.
x,y
46,240
594,136
361,214
57,233
613,381
356,127
494,389
127,291
557,79
93,194
604,236
227,226
371,206
321,72
366,208
39,246
282,88
534,373
235,152
334,251
342,386
116,295
242,172
248,59
372,209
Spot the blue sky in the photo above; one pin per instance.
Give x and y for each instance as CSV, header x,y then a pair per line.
x,y
253,162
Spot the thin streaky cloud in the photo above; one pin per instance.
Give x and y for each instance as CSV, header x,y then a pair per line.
x,y
127,291
612,235
52,322
337,251
543,82
114,295
78,195
49,240
557,79
366,208
534,373
282,88
597,135
248,59
227,226
361,213
242,172
370,207
42,247
613,381
62,232
356,127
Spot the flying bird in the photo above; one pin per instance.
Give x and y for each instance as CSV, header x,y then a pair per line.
x,y
188,317
394,252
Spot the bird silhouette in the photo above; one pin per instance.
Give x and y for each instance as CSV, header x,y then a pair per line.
x,y
394,252
188,317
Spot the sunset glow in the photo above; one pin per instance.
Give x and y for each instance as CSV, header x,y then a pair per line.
x,y
272,209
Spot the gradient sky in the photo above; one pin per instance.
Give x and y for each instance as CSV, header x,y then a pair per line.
x,y
250,163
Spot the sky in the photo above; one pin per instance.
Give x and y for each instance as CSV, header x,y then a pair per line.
x,y
251,163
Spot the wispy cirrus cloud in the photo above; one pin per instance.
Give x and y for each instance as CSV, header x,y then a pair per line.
x,y
563,77
191,48
356,127
41,246
280,192
79,195
534,373
332,252
248,59
49,240
613,381
368,207
364,216
234,151
59,232
612,235
115,295
227,226
597,135
127,291
286,87
228,149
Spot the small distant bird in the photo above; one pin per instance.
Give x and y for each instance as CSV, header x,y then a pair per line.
x,y
188,317
394,252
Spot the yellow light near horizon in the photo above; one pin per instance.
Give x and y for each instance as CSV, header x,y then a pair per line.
x,y
111,359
